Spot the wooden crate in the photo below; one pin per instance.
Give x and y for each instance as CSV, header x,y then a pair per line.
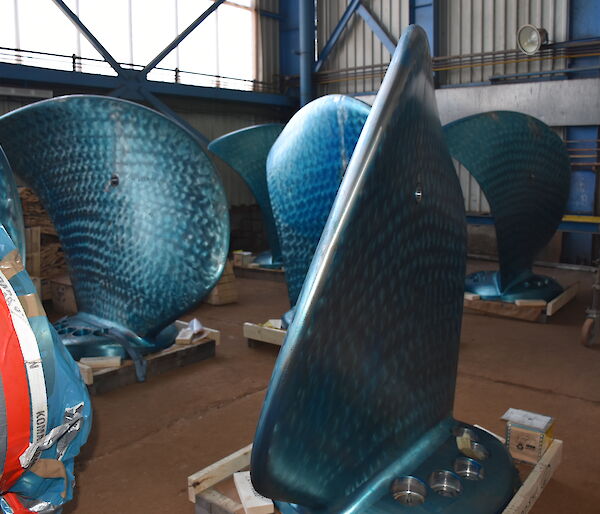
x,y
102,380
526,310
255,333
225,291
211,489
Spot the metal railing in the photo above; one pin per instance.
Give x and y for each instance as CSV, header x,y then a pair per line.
x,y
79,64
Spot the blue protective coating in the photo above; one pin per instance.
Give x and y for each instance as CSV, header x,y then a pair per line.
x,y
304,171
64,389
138,206
11,212
523,168
363,387
246,152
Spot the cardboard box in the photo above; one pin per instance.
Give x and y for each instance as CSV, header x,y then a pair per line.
x,y
528,435
241,258
63,296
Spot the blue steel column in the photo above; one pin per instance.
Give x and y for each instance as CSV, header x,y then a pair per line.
x,y
307,48
424,13
584,22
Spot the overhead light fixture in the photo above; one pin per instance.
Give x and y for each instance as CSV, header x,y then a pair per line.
x,y
530,39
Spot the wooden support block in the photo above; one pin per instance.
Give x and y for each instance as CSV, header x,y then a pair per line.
x,y
214,502
537,480
176,356
253,502
185,336
87,373
217,472
506,310
255,332
213,334
101,362
471,296
531,303
210,501
562,299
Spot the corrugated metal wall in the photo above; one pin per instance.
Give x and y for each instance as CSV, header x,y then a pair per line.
x,y
268,45
475,26
358,48
8,104
217,123
475,200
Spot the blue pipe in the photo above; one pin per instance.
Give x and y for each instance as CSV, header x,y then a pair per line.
x,y
307,49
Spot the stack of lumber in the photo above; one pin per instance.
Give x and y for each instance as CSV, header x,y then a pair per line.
x,y
53,260
33,247
225,291
34,213
45,257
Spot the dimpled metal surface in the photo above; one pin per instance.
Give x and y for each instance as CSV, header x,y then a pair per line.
x,y
523,168
11,212
304,170
246,152
138,206
363,387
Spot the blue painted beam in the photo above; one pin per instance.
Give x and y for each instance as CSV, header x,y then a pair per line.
x,y
173,44
269,14
377,28
74,19
30,74
307,48
159,105
337,32
586,225
424,13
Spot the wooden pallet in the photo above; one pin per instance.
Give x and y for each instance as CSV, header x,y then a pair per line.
x,y
213,492
260,334
106,379
259,273
527,310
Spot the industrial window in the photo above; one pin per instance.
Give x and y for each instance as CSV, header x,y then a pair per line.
x,y
220,52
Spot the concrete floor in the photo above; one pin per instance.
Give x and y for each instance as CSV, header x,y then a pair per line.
x,y
147,438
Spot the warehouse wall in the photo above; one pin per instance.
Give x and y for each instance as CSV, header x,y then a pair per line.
x,y
357,63
214,119
475,26
268,68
